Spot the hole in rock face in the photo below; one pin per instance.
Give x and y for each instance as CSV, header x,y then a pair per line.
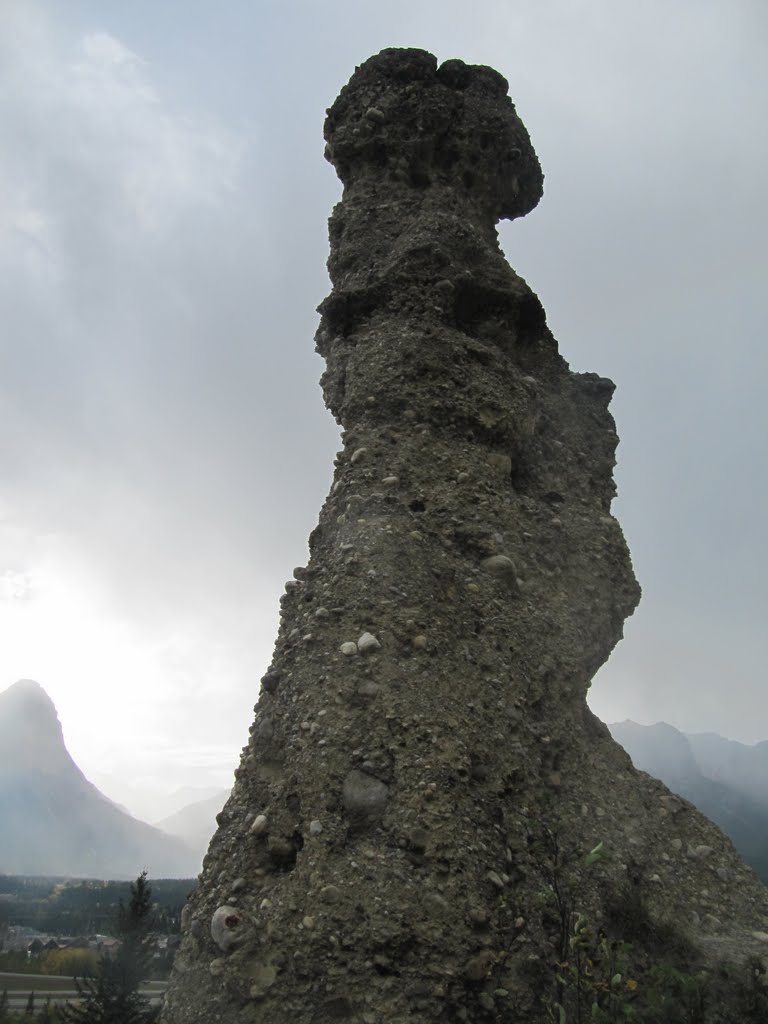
x,y
293,803
417,505
531,319
420,176
468,178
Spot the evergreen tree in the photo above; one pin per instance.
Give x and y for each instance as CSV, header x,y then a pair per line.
x,y
112,996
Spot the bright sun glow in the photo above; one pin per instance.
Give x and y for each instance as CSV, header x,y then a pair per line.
x,y
96,671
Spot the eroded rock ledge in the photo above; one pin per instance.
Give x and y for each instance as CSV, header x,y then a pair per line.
x,y
422,731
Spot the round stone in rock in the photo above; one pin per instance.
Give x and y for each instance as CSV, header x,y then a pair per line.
x,y
226,927
368,642
363,796
699,852
259,824
368,688
502,464
478,966
349,648
263,977
315,827
501,566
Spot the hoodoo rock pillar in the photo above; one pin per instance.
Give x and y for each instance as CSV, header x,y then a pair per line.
x,y
422,746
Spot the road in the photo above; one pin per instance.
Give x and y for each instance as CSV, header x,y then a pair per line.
x,y
58,988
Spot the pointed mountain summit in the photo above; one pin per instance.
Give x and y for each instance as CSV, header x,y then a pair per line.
x,y
53,820
30,730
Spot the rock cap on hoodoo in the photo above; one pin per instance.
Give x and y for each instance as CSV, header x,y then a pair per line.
x,y
404,118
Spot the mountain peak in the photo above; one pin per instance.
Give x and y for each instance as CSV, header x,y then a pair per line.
x,y
54,821
26,699
27,688
30,731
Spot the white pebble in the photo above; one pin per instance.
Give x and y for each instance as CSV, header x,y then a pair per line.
x,y
259,824
368,642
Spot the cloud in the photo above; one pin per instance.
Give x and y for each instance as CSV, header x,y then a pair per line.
x,y
103,231
163,445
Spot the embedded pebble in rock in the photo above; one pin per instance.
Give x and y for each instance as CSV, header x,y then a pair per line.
x,y
263,977
444,770
500,565
478,966
368,642
315,827
700,851
368,688
226,928
258,825
502,464
364,796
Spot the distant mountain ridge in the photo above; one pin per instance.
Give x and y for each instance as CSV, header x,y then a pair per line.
x,y
195,823
726,780
53,821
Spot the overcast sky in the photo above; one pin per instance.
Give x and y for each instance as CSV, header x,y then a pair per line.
x,y
164,449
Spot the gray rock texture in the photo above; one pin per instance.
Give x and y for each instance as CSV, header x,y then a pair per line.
x,y
468,530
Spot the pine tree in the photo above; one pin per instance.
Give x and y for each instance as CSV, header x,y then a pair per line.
x,y
112,996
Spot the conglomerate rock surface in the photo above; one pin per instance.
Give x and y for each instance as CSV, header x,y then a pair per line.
x,y
424,717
